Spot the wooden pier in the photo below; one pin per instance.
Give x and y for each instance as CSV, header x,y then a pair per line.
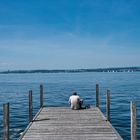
x,y
61,123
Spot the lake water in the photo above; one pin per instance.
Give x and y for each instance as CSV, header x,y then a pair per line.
x,y
124,87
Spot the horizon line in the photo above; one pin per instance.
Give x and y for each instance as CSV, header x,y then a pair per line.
x,y
68,70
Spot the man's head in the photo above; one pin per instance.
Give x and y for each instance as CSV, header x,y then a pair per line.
x,y
74,93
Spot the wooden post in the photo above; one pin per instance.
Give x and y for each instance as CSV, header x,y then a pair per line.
x,y
30,106
133,121
97,95
108,105
41,96
6,121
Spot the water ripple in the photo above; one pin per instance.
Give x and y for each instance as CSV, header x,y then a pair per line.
x,y
57,89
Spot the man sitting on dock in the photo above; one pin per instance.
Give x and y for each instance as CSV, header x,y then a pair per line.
x,y
75,101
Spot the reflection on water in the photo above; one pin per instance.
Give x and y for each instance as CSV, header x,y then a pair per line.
x,y
58,87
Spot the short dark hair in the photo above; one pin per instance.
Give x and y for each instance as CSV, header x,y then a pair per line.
x,y
74,93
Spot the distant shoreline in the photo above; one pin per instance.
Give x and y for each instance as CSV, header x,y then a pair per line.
x,y
121,69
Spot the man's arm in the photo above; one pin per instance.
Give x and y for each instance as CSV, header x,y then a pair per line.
x,y
69,100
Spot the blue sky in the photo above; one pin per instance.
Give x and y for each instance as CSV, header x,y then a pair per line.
x,y
67,34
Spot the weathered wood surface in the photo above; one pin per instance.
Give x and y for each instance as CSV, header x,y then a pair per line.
x,y
133,121
6,121
108,105
30,106
97,95
41,96
66,124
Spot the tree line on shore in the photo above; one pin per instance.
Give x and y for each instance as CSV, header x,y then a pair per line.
x,y
121,69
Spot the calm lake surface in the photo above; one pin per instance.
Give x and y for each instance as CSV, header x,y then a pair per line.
x,y
124,87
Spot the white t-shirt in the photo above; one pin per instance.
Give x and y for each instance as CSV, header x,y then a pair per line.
x,y
74,101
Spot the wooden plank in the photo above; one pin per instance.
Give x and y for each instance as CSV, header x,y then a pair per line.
x,y
6,121
41,96
66,124
108,105
97,95
30,106
133,121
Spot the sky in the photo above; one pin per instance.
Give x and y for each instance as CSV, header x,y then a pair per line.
x,y
69,34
